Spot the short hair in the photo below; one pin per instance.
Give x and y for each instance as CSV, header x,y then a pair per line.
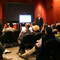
x,y
58,28
46,22
11,24
36,28
49,30
45,26
53,26
27,25
33,23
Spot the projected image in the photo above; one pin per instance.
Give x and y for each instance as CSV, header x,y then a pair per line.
x,y
25,18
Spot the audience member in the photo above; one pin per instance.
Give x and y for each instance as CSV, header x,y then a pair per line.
x,y
2,49
36,29
48,35
21,35
58,31
43,29
5,26
47,23
32,25
10,28
53,26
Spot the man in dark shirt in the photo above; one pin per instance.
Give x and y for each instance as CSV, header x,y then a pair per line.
x,y
23,34
39,21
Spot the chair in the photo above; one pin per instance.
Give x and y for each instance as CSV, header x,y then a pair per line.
x,y
15,35
8,37
55,32
50,50
38,36
28,41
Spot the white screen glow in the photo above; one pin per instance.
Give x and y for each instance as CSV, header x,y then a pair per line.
x,y
24,18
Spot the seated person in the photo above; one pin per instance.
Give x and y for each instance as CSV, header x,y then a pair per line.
x,y
21,35
48,35
10,28
54,31
43,29
2,49
36,29
58,33
5,26
32,25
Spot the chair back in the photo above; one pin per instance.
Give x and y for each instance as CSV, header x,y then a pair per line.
x,y
15,35
8,36
38,36
28,41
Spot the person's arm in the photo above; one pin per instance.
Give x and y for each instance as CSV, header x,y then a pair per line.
x,y
20,36
39,43
3,30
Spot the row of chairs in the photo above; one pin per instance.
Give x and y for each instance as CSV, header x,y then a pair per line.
x,y
10,37
30,40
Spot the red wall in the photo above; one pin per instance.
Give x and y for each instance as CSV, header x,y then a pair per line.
x,y
53,11
39,8
0,10
56,10
49,11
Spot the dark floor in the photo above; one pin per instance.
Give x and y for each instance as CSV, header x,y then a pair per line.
x,y
14,56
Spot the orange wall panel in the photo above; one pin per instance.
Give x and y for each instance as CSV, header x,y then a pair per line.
x,y
0,10
56,10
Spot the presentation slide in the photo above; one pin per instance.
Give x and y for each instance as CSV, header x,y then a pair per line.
x,y
24,18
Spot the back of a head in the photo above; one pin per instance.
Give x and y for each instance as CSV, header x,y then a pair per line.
x,y
53,26
33,23
58,28
27,25
36,28
45,23
45,26
49,30
11,25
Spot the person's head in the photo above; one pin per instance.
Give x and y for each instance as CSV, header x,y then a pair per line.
x,y
58,28
5,25
53,26
36,28
45,26
33,23
57,24
48,30
0,29
38,15
46,22
27,25
10,25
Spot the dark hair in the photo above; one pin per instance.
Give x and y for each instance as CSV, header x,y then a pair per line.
x,y
49,30
11,24
33,23
58,28
53,26
28,26
45,26
46,22
0,29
